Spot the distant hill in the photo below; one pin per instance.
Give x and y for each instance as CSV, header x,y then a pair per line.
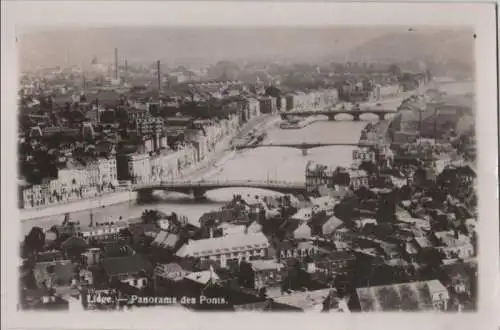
x,y
437,48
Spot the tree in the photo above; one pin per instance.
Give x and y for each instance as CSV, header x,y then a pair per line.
x,y
74,247
394,69
151,216
341,284
346,209
246,275
386,210
35,240
369,167
125,234
433,260
363,194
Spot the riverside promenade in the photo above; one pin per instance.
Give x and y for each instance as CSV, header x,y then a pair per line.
x,y
222,151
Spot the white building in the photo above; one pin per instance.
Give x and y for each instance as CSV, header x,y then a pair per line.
x,y
139,168
222,249
454,246
101,232
253,107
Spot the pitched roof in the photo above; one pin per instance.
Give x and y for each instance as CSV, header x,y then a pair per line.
x,y
203,277
403,296
223,244
265,264
166,239
305,300
332,224
172,271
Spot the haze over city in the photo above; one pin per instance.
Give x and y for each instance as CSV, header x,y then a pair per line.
x,y
202,46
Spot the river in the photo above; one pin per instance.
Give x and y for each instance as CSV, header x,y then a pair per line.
x,y
285,164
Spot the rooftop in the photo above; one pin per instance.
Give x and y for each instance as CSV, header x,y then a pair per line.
x,y
265,264
126,265
412,296
305,300
203,277
224,244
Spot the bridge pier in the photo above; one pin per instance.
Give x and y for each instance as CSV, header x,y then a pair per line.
x,y
356,116
198,194
381,116
331,117
304,151
145,194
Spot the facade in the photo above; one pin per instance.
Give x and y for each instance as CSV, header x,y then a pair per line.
x,y
132,270
267,272
318,175
73,182
226,248
253,107
139,168
268,105
290,104
454,245
150,126
381,92
337,262
358,179
291,249
102,232
361,155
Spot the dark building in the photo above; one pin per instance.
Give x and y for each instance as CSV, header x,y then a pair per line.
x,y
154,109
386,208
268,105
289,102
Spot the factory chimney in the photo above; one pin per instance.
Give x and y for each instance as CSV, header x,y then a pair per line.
x,y
116,63
159,77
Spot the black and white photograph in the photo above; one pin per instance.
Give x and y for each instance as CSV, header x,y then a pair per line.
x,y
326,168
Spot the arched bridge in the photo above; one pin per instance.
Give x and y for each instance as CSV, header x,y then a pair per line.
x,y
331,114
199,188
303,146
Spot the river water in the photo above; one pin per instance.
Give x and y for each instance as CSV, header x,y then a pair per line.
x,y
284,164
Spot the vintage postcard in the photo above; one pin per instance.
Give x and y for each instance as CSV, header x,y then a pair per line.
x,y
278,162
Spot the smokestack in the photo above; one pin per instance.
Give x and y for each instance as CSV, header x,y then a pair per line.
x,y
126,68
116,63
159,76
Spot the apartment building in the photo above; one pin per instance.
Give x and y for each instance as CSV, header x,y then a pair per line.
x,y
225,249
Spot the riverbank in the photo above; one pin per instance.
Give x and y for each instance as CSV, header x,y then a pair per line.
x,y
281,164
221,154
77,206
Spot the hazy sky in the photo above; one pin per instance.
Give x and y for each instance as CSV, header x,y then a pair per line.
x,y
208,45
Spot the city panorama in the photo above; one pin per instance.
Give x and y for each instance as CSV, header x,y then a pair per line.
x,y
327,169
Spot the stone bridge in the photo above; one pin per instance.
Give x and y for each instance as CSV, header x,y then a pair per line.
x,y
198,188
332,114
303,146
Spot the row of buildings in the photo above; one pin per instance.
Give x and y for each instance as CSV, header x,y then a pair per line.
x,y
155,161
416,255
74,182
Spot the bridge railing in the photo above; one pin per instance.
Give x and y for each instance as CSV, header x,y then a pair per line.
x,y
339,111
222,183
